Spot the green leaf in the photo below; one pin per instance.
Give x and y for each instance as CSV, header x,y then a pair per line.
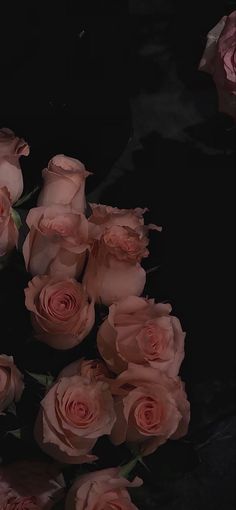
x,y
127,468
16,218
43,379
25,198
15,432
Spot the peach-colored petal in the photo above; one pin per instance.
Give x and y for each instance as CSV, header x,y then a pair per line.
x,y
11,149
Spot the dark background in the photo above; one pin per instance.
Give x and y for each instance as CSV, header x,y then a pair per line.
x,y
117,85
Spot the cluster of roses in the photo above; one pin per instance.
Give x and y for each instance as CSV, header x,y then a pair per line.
x,y
78,256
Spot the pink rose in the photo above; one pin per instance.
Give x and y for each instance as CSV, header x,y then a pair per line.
x,y
139,331
57,242
30,485
107,216
93,369
61,312
64,183
219,59
11,149
104,489
74,414
8,231
11,382
113,270
150,406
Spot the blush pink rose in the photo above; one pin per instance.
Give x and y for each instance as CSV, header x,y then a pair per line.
x,y
74,414
64,183
11,149
107,216
57,242
113,270
61,313
93,369
219,59
8,231
138,330
11,382
30,485
101,490
150,407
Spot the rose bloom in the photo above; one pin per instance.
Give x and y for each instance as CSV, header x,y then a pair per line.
x,y
101,490
64,183
107,216
140,331
30,485
8,231
11,149
150,406
219,60
113,270
57,241
93,369
11,382
61,312
74,414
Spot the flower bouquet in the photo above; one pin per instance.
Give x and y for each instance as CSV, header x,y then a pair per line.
x,y
107,391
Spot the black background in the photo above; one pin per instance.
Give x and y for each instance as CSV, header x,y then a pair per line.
x,y
133,75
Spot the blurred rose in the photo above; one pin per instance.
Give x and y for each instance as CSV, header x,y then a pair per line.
x,y
113,270
107,216
93,369
150,406
219,59
104,489
64,183
11,149
11,382
61,312
30,485
140,331
74,414
56,243
8,231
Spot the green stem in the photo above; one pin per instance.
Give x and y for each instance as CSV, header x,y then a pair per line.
x,y
127,468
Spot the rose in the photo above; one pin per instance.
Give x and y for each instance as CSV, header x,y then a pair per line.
x,y
101,490
11,149
61,312
8,231
11,382
150,406
64,183
107,216
219,59
30,485
94,370
113,270
73,415
138,330
57,241
21,503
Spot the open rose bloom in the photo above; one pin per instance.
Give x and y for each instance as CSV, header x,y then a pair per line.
x,y
8,231
73,415
219,60
61,312
138,330
11,149
150,407
94,370
30,485
11,382
101,490
64,183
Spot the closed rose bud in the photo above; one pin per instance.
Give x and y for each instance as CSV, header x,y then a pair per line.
x,y
11,149
8,230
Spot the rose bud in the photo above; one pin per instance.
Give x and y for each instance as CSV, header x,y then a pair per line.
x,y
11,149
8,230
101,489
64,183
